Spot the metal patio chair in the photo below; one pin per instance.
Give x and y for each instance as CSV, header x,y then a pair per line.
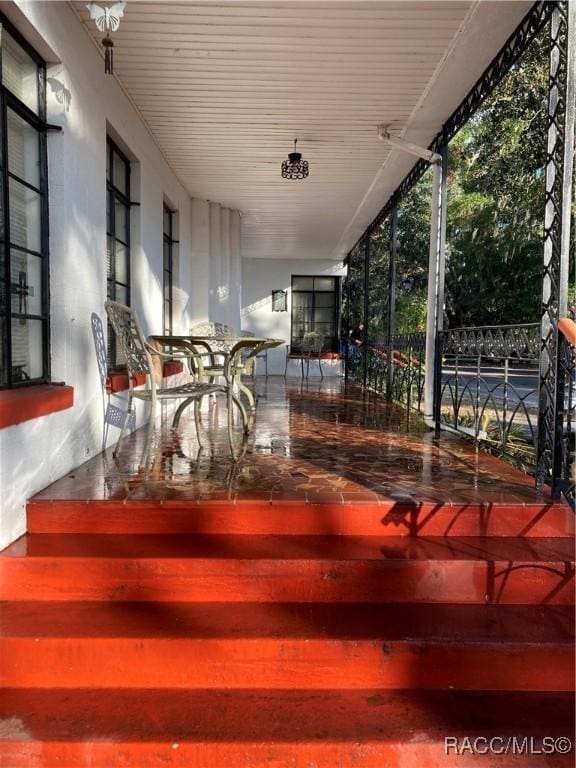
x,y
260,356
140,355
214,361
310,349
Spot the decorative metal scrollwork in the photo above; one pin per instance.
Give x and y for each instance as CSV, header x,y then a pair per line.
x,y
487,388
553,422
405,354
505,341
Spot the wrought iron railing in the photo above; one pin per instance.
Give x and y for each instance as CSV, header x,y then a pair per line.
x,y
487,388
395,367
497,341
567,411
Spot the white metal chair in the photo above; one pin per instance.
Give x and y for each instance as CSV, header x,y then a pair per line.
x,y
260,356
310,349
215,359
139,355
216,355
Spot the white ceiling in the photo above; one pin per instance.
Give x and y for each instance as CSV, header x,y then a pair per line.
x,y
225,87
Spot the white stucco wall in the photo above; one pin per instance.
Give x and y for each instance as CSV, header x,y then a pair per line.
x,y
87,103
259,278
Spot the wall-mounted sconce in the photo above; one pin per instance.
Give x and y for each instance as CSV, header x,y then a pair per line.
x,y
279,301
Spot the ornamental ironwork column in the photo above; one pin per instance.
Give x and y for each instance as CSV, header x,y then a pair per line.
x,y
366,307
557,222
391,324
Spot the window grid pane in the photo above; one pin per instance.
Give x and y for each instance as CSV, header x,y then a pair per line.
x,y
19,72
168,255
26,284
24,318
315,308
118,240
23,149
25,217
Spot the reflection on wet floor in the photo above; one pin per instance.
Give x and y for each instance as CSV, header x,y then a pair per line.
x,y
314,441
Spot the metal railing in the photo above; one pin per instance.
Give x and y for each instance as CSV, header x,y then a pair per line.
x,y
565,479
487,388
395,367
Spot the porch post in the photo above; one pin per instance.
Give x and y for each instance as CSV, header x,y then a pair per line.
x,y
346,315
557,223
366,307
436,265
391,301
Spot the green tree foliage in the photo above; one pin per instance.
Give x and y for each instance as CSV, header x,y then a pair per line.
x,y
494,220
353,294
412,257
496,202
378,282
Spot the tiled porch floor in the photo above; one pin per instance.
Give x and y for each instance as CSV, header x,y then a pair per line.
x,y
318,442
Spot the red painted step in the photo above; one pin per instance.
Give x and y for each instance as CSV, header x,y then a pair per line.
x,y
331,729
303,646
231,568
248,517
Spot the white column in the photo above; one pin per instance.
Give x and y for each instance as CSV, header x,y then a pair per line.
x,y
225,266
215,261
235,268
198,271
436,268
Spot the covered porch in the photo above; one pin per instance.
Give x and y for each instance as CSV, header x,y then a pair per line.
x,y
376,568
313,441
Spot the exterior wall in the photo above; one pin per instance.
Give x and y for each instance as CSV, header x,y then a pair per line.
x,y
259,278
87,104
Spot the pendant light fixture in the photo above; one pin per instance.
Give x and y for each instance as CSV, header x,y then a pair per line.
x,y
295,167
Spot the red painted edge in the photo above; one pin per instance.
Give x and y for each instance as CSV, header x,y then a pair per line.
x,y
25,403
117,381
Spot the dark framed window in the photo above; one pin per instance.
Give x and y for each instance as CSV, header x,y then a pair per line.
x,y
315,307
168,270
118,236
24,269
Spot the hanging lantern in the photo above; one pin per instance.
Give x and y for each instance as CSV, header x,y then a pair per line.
x,y
295,167
107,20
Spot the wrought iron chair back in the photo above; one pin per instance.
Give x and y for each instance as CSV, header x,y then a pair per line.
x,y
310,346
260,356
312,343
130,339
139,354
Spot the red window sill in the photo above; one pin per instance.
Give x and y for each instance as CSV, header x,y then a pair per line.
x,y
117,381
25,403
